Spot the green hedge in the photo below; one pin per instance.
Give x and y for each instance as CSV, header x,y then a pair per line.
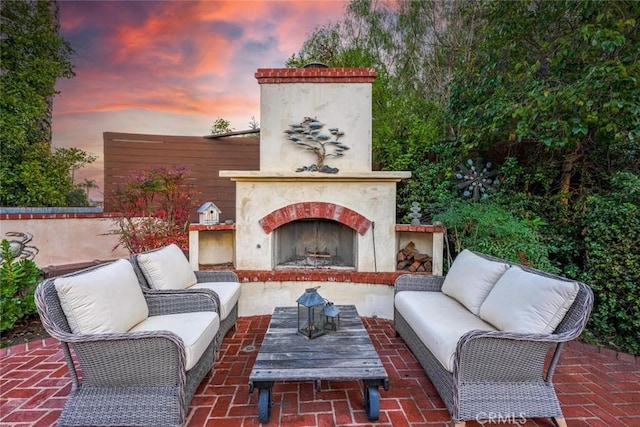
x,y
612,264
490,228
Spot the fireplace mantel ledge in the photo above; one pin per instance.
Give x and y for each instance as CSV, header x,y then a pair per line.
x,y
377,176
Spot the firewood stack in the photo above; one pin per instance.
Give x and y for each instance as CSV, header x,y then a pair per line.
x,y
411,259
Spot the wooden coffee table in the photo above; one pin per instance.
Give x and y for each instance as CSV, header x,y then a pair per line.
x,y
346,354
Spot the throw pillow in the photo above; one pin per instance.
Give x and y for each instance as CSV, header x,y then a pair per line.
x,y
106,299
471,278
526,302
167,268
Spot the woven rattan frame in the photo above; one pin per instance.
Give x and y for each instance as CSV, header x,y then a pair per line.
x,y
227,323
497,372
133,378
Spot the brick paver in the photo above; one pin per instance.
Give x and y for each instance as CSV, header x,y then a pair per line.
x,y
596,387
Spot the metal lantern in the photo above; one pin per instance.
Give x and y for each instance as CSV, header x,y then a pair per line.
x,y
311,313
331,317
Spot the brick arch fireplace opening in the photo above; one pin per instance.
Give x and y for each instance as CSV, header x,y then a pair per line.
x,y
315,235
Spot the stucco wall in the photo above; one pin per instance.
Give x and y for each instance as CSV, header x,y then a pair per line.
x,y
262,297
336,105
63,240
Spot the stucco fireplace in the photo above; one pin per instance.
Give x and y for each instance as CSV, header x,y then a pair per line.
x,y
303,211
315,213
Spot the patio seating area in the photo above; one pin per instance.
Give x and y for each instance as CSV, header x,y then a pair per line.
x,y
596,387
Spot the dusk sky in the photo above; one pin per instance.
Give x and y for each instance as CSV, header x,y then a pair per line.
x,y
172,67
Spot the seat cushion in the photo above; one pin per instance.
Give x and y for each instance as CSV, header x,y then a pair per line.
x,y
439,321
167,268
195,329
526,302
228,292
471,278
106,299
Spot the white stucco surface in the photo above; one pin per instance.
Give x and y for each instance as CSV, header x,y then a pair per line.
x,y
69,240
346,106
374,200
258,298
211,247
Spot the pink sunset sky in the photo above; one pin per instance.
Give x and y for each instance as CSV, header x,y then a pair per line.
x,y
172,67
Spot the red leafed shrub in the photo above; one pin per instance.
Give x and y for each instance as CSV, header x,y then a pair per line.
x,y
154,207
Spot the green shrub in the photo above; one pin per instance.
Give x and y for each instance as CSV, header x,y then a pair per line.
x,y
18,280
612,264
490,228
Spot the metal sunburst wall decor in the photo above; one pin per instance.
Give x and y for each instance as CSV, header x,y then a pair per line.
x,y
309,136
476,179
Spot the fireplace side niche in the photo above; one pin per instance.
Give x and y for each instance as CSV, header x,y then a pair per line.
x,y
314,243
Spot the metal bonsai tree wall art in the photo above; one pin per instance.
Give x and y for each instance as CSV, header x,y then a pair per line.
x,y
309,136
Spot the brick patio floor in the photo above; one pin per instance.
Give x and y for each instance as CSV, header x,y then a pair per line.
x,y
596,387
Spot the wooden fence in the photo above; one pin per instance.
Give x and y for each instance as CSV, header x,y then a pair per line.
x,y
203,157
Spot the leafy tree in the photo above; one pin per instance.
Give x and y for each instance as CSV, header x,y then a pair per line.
x,y
412,45
87,185
33,56
254,124
560,75
221,126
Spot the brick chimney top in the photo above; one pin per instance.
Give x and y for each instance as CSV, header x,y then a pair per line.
x,y
315,75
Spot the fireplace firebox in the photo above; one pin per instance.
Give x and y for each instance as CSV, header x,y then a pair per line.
x,y
315,243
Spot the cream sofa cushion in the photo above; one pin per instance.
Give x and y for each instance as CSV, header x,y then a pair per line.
x,y
471,278
526,302
195,329
167,268
107,299
439,321
228,293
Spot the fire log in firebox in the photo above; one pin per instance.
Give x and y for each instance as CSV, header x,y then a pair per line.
x,y
410,259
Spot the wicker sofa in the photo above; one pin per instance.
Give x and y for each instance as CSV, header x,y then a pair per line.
x,y
134,358
483,334
168,269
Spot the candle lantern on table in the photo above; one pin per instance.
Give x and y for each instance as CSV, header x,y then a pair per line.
x,y
331,317
311,313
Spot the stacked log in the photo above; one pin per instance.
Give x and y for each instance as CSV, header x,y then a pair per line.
x,y
410,259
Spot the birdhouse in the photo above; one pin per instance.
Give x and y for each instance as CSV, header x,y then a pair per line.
x,y
209,213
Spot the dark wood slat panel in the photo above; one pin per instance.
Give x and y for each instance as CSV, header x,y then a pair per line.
x,y
203,158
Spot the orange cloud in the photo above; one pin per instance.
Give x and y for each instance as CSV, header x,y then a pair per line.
x,y
172,67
